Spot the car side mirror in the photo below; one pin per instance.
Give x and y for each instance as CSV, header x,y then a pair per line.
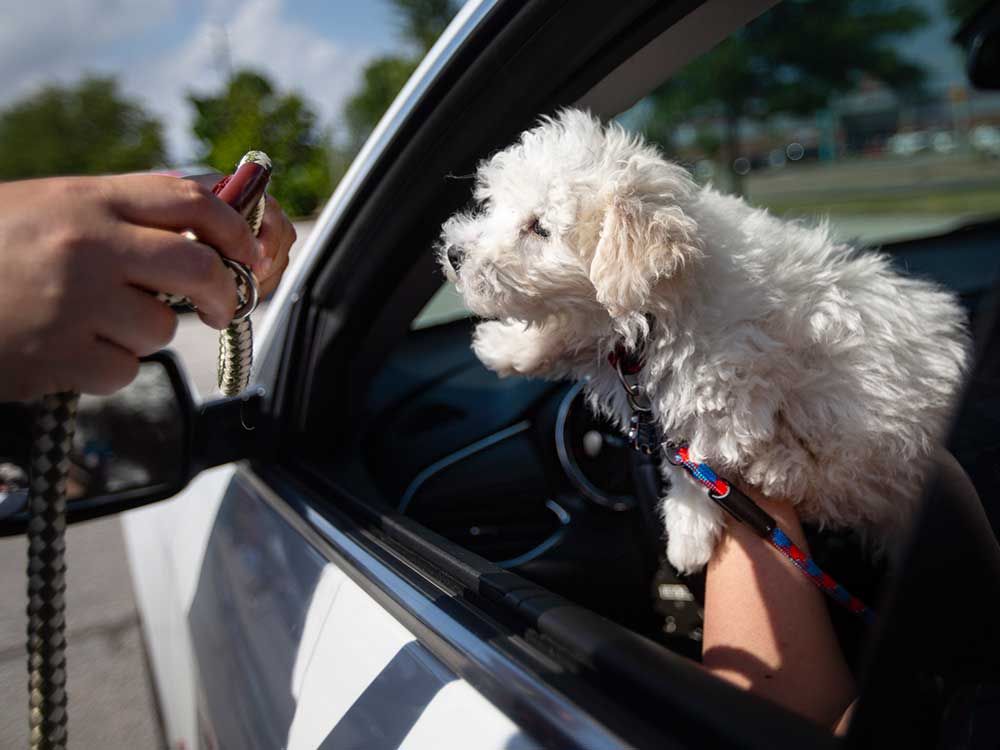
x,y
142,444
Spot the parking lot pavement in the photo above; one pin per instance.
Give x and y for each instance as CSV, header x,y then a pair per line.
x,y
110,697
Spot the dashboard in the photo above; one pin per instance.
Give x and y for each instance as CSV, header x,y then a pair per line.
x,y
516,470
487,461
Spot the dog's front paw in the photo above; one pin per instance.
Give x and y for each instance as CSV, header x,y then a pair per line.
x,y
689,551
508,348
693,522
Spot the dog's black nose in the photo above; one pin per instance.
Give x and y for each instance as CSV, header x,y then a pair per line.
x,y
455,256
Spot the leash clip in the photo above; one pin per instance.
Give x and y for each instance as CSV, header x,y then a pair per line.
x,y
637,398
642,431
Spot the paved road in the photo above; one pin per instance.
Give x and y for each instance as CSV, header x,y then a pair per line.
x,y
111,700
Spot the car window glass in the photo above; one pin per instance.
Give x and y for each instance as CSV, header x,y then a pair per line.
x,y
445,306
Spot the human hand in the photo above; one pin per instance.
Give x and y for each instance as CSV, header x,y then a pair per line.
x,y
78,258
277,235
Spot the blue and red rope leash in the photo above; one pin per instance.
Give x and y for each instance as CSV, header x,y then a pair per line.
x,y
643,436
744,509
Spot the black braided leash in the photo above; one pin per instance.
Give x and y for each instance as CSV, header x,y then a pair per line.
x,y
52,439
52,442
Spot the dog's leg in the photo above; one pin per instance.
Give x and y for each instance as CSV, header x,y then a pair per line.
x,y
693,522
512,348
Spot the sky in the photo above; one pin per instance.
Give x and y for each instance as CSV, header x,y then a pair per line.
x,y
160,49
932,46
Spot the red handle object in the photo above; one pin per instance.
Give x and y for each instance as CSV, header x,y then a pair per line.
x,y
243,189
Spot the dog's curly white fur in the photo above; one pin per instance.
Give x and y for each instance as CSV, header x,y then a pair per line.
x,y
806,367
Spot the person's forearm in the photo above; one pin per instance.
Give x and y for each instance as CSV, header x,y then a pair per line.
x,y
767,628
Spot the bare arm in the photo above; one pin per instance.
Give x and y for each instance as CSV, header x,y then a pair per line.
x,y
766,626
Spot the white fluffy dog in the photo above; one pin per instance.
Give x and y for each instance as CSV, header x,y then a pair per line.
x,y
796,364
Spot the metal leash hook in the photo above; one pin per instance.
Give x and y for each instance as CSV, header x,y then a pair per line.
x,y
642,434
52,438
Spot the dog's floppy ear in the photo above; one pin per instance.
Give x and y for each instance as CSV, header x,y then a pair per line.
x,y
645,235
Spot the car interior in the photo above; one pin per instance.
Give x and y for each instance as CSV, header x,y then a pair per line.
x,y
513,496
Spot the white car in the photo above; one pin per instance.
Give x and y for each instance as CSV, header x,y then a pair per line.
x,y
986,138
909,144
397,549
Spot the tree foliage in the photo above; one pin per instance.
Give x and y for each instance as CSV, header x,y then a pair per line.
x,y
87,128
421,23
382,80
793,59
250,113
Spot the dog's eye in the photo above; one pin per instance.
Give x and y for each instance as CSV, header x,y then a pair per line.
x,y
537,228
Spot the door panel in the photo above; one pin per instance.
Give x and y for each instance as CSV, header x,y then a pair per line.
x,y
371,684
166,544
260,591
258,641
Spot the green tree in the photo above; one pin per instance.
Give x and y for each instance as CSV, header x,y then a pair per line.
x,y
383,78
793,59
87,128
250,113
421,23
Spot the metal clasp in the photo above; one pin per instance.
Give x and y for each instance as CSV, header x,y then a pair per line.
x,y
670,449
248,282
637,398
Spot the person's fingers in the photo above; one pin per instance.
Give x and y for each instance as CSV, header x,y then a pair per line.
x,y
161,261
269,237
208,179
170,203
137,322
268,286
109,368
277,235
